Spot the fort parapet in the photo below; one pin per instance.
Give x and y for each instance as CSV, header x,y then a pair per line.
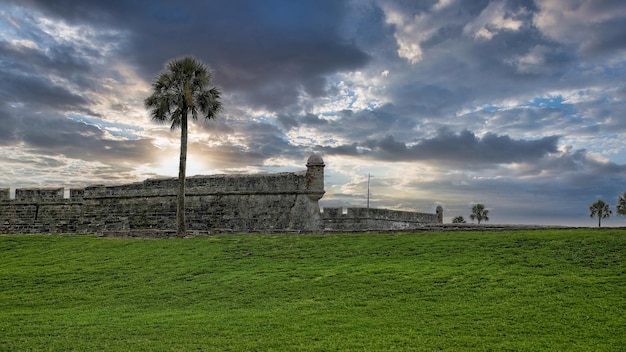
x,y
281,202
373,219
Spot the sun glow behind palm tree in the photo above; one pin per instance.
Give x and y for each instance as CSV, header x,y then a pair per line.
x,y
183,88
168,166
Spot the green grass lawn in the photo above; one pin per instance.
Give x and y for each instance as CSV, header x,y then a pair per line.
x,y
547,290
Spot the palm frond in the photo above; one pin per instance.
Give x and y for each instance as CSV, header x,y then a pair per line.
x,y
171,98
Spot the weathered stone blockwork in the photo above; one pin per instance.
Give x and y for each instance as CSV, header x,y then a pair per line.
x,y
238,203
5,194
364,219
282,202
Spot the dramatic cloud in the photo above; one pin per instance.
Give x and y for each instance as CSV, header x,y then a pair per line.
x,y
268,46
590,24
446,147
493,19
519,104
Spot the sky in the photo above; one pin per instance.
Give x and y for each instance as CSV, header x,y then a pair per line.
x,y
519,104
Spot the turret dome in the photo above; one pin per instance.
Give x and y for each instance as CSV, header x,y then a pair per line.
x,y
315,159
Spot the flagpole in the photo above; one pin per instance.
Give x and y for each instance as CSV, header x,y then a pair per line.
x,y
368,190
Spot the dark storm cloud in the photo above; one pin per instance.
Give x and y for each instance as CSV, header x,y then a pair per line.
x,y
254,142
39,91
288,121
578,167
291,121
555,189
360,125
464,147
57,135
267,48
612,37
527,120
457,69
495,69
9,123
313,120
44,52
59,59
596,27
266,140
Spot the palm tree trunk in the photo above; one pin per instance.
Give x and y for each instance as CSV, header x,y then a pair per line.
x,y
182,168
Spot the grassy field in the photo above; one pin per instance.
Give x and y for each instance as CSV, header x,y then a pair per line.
x,y
548,290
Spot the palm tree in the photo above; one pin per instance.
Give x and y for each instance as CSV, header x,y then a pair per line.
x,y
621,204
479,213
458,220
182,88
600,209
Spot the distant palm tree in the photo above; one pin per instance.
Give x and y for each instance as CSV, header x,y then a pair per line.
x,y
458,220
183,88
600,209
479,213
621,204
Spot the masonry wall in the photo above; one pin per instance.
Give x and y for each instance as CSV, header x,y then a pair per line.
x,y
282,202
277,202
237,203
372,219
29,215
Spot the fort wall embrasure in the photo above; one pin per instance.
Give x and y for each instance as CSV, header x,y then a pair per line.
x,y
282,202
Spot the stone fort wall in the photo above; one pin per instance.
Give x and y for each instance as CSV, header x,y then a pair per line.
x,y
373,219
282,202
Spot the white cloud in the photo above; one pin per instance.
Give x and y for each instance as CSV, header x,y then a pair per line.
x,y
22,168
25,43
411,31
443,4
120,96
494,19
353,91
